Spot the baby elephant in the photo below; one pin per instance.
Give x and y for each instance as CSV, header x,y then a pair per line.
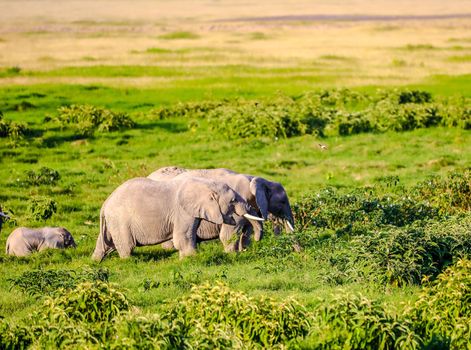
x,y
23,241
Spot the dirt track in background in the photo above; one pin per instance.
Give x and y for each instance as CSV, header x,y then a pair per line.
x,y
349,18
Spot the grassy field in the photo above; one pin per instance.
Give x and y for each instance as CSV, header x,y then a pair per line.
x,y
152,58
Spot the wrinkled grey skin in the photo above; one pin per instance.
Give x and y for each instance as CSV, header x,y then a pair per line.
x,y
145,212
23,241
269,198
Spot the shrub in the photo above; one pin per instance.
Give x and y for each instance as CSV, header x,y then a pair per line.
x,y
87,302
442,314
187,109
451,194
413,96
264,322
41,208
407,255
352,321
44,176
257,119
77,317
86,119
334,111
355,212
13,130
47,282
390,255
153,332
14,337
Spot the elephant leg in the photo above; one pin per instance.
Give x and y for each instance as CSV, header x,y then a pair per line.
x,y
185,246
184,236
124,241
168,245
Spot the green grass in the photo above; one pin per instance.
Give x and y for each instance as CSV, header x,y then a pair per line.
x,y
90,169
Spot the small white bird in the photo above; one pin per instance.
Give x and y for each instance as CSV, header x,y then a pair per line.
x,y
323,147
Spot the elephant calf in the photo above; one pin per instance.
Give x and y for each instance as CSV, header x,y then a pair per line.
x,y
23,241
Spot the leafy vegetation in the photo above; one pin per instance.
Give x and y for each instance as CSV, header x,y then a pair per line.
x,y
46,282
442,313
41,208
13,130
387,230
378,176
86,119
217,316
44,176
332,112
353,321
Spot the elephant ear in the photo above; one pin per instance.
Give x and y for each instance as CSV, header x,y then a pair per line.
x,y
58,242
259,189
200,201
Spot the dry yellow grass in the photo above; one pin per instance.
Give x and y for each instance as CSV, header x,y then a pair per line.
x,y
43,35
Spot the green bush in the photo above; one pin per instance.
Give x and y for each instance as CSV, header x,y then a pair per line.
x,y
264,322
154,332
442,314
14,337
334,112
41,208
78,317
44,176
88,302
46,282
86,119
407,255
13,130
356,212
280,120
209,317
451,194
187,109
351,321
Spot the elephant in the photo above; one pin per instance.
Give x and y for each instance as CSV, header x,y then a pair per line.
x,y
146,212
269,198
23,240
3,217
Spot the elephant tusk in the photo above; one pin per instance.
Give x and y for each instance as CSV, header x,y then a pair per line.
x,y
251,217
290,226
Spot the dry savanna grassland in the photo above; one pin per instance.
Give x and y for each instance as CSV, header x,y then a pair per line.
x,y
360,109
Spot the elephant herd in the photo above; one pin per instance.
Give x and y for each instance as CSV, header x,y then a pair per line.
x,y
177,208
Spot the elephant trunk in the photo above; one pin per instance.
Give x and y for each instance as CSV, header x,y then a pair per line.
x,y
241,208
251,215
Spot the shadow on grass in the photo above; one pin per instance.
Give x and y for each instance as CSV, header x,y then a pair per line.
x,y
152,254
58,139
174,128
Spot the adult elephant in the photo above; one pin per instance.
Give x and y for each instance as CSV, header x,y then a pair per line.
x,y
145,212
268,197
23,240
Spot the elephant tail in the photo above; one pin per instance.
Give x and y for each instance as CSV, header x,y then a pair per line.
x,y
103,244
